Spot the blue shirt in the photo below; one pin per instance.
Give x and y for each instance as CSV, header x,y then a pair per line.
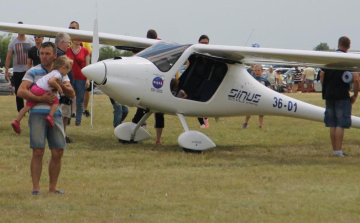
x,y
263,81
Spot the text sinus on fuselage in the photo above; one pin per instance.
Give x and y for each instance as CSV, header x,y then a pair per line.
x,y
244,97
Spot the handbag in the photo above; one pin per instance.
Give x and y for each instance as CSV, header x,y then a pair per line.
x,y
65,100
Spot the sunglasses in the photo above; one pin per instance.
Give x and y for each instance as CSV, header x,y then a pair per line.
x,y
37,36
72,27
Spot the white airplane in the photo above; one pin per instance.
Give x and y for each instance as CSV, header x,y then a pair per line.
x,y
216,81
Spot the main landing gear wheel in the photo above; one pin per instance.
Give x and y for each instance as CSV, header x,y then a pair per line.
x,y
193,141
130,133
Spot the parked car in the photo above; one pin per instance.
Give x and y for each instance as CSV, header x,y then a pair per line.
x,y
5,86
265,69
282,70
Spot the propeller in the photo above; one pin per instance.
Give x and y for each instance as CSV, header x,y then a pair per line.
x,y
95,52
94,59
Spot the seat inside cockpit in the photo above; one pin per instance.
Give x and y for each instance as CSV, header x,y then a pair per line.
x,y
202,77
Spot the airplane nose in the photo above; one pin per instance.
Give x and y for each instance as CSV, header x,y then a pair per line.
x,y
96,72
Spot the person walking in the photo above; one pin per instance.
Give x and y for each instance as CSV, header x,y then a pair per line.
x,y
81,57
264,81
18,52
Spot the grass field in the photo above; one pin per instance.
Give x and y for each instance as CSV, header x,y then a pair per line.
x,y
282,173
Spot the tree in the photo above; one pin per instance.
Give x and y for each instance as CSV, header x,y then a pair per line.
x,y
322,47
5,40
107,52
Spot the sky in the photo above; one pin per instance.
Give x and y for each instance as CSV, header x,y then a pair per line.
x,y
287,24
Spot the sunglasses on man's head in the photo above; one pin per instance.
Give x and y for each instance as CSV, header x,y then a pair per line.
x,y
72,27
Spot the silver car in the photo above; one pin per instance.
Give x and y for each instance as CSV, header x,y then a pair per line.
x,y
5,86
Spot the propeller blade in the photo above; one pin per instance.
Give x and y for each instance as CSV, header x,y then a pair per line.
x,y
94,59
95,47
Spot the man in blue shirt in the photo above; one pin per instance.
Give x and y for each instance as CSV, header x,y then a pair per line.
x,y
264,81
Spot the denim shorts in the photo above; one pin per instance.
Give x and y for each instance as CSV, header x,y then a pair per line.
x,y
338,113
39,131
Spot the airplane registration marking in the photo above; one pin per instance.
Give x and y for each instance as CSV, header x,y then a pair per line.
x,y
279,103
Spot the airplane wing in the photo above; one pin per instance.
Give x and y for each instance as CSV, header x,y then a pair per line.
x,y
331,60
85,36
320,59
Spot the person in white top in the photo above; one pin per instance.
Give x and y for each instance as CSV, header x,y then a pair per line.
x,y
48,83
270,76
309,75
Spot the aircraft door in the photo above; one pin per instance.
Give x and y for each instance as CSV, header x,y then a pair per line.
x,y
202,78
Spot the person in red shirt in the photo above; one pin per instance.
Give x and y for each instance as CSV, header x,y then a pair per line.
x,y
81,58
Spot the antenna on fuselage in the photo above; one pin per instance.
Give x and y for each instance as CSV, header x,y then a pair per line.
x,y
249,37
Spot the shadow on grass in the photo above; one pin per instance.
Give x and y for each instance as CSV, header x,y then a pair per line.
x,y
108,143
258,154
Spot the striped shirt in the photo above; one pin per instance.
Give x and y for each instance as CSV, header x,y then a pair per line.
x,y
33,75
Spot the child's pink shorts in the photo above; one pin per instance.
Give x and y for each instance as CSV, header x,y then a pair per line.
x,y
39,92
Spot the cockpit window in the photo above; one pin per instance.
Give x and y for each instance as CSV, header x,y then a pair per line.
x,y
163,55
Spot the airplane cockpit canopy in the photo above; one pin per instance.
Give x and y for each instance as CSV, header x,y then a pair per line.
x,y
164,55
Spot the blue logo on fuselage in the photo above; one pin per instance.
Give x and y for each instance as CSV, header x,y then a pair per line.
x,y
158,82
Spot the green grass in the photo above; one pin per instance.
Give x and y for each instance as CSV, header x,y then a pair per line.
x,y
282,173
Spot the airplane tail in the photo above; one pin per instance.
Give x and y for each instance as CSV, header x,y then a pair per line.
x,y
290,107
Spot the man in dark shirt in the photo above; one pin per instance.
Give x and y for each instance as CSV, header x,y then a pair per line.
x,y
33,54
338,101
159,117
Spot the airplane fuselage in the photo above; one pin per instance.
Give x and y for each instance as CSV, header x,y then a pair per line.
x,y
138,81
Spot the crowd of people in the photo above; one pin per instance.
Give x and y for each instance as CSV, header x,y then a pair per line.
x,y
291,79
49,77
